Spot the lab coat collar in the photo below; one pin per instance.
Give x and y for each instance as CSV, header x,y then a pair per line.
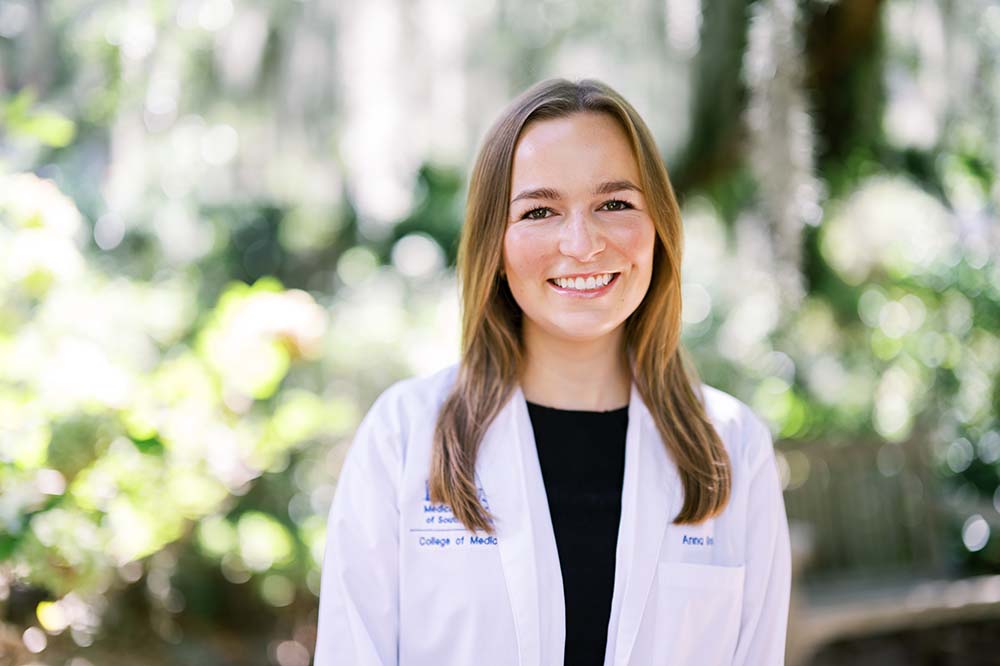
x,y
511,478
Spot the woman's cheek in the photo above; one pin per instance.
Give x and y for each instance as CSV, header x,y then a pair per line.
x,y
526,250
638,237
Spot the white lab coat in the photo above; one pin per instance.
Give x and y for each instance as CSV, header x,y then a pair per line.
x,y
404,583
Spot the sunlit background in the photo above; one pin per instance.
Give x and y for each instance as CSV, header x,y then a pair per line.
x,y
226,226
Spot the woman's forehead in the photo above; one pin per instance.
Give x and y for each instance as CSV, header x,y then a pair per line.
x,y
581,150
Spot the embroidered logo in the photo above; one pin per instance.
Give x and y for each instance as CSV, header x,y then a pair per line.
x,y
439,518
443,507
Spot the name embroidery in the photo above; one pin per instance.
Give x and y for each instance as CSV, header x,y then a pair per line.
x,y
696,540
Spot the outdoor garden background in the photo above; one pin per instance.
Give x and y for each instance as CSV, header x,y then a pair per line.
x,y
226,226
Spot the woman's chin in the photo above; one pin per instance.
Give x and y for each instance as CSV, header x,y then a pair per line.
x,y
581,329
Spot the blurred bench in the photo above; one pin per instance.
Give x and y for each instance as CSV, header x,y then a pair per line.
x,y
868,532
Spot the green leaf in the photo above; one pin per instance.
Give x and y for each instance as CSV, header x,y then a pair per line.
x,y
49,128
52,129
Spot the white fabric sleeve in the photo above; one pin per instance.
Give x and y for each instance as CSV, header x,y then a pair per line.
x,y
358,621
768,577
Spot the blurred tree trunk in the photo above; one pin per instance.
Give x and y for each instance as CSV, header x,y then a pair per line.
x,y
843,79
719,97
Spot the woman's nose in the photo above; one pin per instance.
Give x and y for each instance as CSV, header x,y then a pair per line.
x,y
580,237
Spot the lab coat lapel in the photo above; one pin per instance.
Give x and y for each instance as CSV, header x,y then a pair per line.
x,y
650,499
509,471
511,477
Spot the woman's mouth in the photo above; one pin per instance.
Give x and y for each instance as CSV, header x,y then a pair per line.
x,y
592,287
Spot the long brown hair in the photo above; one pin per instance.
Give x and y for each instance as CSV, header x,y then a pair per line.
x,y
491,348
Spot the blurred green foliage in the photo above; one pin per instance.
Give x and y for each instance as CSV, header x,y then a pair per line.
x,y
205,279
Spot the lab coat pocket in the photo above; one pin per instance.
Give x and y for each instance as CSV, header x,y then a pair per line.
x,y
698,613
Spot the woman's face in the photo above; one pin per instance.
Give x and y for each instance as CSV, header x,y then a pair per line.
x,y
577,214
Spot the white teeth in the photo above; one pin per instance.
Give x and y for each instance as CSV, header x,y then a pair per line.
x,y
591,282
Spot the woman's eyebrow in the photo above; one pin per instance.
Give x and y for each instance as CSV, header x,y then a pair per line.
x,y
606,187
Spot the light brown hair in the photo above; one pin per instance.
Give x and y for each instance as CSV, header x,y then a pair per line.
x,y
491,350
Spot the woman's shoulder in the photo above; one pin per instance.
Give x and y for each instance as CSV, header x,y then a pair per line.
x,y
745,434
413,398
400,413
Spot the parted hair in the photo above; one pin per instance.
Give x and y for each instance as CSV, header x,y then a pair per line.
x,y
492,355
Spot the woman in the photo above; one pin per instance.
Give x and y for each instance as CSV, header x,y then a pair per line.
x,y
569,492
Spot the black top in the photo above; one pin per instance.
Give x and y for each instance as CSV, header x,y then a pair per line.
x,y
582,456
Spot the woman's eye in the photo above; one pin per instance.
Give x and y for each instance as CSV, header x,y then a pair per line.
x,y
530,214
624,205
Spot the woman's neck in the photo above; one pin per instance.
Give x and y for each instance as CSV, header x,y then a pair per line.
x,y
588,375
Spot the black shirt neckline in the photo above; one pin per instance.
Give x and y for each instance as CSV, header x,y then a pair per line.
x,y
580,412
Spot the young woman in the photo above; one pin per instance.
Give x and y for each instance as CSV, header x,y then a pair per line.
x,y
569,491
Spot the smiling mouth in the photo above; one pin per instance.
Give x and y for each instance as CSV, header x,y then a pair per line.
x,y
597,289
